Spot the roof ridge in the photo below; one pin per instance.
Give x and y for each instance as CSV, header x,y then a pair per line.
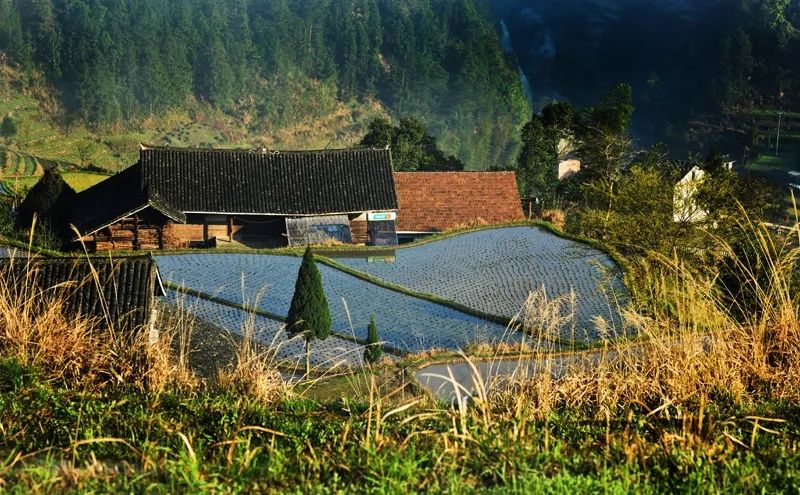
x,y
263,150
455,172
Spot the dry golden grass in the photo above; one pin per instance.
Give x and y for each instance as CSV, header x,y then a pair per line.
x,y
690,350
254,374
555,217
37,331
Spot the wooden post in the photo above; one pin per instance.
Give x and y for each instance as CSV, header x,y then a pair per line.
x,y
230,228
136,232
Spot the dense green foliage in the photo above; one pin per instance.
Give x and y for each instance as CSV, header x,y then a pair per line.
x,y
8,127
413,149
276,61
372,351
309,314
537,164
546,137
689,62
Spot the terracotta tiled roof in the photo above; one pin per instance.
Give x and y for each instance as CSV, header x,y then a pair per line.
x,y
437,201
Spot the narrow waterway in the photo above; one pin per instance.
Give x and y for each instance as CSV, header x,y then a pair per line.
x,y
460,379
508,46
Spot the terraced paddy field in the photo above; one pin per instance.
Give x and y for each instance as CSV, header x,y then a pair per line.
x,y
491,271
495,270
267,282
329,353
79,181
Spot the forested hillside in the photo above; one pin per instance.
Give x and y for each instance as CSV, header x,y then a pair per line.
x,y
693,65
269,64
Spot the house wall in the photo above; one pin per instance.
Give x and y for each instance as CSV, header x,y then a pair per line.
x,y
685,205
318,230
143,231
358,229
567,168
158,232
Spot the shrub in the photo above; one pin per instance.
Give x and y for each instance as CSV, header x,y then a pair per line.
x,y
556,217
372,351
8,128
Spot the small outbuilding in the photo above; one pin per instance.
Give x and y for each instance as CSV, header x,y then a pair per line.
x,y
433,202
119,293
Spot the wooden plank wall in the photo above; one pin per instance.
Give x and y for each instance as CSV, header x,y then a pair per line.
x,y
129,234
177,235
359,231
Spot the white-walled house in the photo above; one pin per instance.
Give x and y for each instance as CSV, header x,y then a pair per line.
x,y
685,205
568,162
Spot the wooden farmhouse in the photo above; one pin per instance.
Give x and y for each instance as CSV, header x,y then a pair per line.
x,y
116,293
433,202
174,198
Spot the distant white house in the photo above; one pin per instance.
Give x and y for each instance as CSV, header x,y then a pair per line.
x,y
685,204
568,162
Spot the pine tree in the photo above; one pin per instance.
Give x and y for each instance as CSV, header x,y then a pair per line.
x,y
372,351
309,314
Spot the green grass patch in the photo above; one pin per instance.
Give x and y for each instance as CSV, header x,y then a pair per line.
x,y
117,439
773,114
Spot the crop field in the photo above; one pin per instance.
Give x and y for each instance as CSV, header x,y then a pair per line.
x,y
268,281
77,180
495,270
331,352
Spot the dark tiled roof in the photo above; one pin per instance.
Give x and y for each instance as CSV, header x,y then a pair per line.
x,y
117,197
125,286
280,182
438,201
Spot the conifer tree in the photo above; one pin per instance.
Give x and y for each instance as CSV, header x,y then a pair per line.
x,y
372,351
309,314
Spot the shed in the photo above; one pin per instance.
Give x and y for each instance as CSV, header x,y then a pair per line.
x,y
120,292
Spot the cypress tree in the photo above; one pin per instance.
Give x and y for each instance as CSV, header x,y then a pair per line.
x,y
309,314
372,351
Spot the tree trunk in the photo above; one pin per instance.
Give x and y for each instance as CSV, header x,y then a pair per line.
x,y
308,357
610,203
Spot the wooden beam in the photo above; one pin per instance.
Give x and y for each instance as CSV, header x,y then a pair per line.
x,y
230,228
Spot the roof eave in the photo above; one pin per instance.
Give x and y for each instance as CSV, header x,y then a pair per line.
x,y
355,212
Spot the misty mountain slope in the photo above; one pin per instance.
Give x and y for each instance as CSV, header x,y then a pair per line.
x,y
685,60
268,65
